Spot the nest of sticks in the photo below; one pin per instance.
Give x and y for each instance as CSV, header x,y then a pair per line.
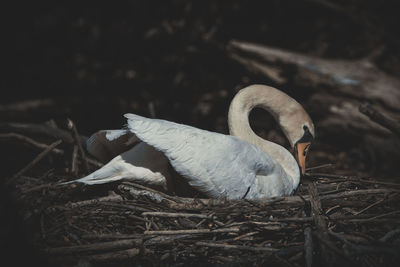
x,y
331,219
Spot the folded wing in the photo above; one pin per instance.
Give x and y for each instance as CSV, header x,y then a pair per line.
x,y
215,164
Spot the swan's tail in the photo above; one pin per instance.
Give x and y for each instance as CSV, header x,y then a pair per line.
x,y
106,174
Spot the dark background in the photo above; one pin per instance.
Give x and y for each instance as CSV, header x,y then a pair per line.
x,y
93,61
97,60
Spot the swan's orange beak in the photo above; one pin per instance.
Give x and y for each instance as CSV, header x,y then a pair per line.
x,y
302,150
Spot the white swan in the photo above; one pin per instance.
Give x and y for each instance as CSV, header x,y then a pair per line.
x,y
239,166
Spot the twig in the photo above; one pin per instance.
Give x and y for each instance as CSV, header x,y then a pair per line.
x,y
320,222
245,235
112,197
351,179
308,246
31,142
375,217
111,236
370,206
176,215
226,246
193,231
76,137
35,160
320,166
379,118
96,247
166,239
74,161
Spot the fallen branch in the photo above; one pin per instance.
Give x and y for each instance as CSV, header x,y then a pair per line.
x,y
379,118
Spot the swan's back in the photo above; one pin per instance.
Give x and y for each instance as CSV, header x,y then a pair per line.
x,y
215,164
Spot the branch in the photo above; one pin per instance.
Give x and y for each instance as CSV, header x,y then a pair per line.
x,y
76,137
320,223
381,119
96,247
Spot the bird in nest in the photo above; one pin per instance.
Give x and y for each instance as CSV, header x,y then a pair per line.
x,y
235,166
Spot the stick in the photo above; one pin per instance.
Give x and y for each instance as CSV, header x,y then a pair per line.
x,y
245,235
379,118
176,215
74,161
75,135
193,231
111,236
112,197
31,142
35,160
96,247
375,217
370,206
308,246
226,246
320,166
166,239
320,222
351,179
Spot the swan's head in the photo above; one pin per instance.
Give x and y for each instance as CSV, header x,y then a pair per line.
x,y
297,125
291,116
302,146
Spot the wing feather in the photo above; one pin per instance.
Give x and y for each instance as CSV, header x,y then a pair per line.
x,y
216,164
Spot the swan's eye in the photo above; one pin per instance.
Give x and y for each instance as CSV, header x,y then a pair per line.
x,y
305,151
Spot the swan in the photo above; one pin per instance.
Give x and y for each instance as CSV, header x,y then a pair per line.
x,y
236,166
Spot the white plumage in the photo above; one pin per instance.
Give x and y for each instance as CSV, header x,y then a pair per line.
x,y
218,165
215,164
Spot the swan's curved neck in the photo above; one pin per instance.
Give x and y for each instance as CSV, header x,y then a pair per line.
x,y
282,107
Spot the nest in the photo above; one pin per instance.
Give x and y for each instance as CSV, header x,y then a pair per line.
x,y
331,219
